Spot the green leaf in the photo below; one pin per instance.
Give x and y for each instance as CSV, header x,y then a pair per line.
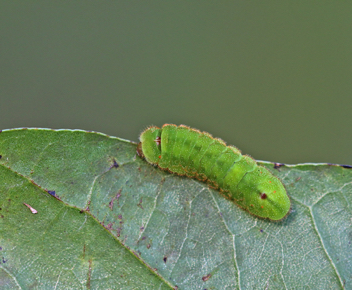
x,y
106,219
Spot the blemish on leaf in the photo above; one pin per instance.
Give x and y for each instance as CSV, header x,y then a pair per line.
x,y
206,278
116,197
165,259
298,178
89,273
342,165
140,203
114,164
263,196
87,208
148,246
52,192
32,181
111,204
278,165
119,216
34,211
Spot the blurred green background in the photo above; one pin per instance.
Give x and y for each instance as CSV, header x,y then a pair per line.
x,y
273,78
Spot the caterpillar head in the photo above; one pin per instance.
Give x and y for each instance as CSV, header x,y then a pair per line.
x,y
149,147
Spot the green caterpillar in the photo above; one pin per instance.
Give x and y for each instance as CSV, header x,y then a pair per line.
x,y
189,152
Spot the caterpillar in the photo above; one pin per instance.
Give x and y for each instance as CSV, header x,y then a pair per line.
x,y
189,152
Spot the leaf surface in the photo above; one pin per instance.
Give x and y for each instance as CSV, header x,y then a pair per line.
x,y
107,219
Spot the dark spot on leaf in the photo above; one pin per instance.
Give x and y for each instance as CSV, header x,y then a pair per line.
x,y
0,156
118,231
0,248
52,192
143,238
119,216
206,278
115,164
263,196
342,165
111,204
165,259
278,165
109,227
148,246
261,230
140,203
141,228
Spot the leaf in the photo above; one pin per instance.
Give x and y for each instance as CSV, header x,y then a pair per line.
x,y
107,219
